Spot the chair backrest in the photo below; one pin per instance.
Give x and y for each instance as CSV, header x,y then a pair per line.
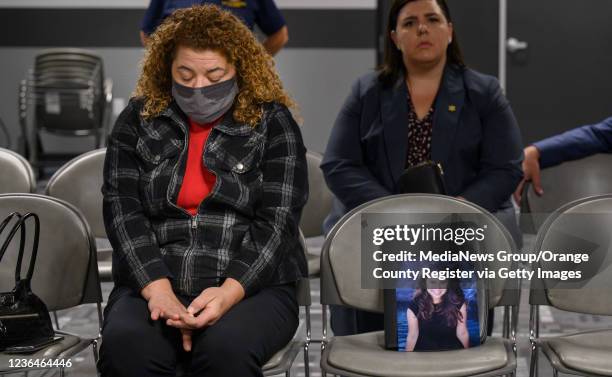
x,y
571,181
66,88
79,182
582,226
319,198
66,272
17,174
341,254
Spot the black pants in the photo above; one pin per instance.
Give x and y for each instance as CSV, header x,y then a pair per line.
x,y
238,344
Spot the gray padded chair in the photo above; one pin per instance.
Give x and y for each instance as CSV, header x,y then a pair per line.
x,y
17,174
316,209
587,221
282,361
79,182
565,183
65,273
364,354
319,198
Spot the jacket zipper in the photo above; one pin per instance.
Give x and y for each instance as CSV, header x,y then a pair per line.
x,y
183,280
187,260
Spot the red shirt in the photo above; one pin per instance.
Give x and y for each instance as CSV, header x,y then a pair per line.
x,y
198,181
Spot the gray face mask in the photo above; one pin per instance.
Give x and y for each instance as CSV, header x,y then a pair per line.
x,y
203,105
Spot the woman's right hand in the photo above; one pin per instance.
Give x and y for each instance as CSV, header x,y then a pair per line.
x,y
162,301
531,173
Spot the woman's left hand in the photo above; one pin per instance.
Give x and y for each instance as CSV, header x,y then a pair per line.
x,y
209,306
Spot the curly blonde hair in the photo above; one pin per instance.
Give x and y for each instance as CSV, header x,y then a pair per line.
x,y
208,27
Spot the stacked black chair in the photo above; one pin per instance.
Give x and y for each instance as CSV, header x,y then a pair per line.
x,y
66,94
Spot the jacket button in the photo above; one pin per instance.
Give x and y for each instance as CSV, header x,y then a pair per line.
x,y
239,167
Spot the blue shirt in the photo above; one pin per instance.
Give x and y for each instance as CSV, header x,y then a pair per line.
x,y
575,144
262,13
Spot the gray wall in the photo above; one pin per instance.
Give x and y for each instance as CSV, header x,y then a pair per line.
x,y
319,80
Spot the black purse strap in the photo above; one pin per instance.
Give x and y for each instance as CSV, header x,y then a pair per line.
x,y
17,226
5,222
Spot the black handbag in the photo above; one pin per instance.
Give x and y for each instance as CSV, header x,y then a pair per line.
x,y
23,315
426,177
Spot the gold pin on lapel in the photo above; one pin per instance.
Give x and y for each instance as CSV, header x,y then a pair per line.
x,y
452,108
234,3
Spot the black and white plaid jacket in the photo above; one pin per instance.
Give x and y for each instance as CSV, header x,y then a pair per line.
x,y
246,229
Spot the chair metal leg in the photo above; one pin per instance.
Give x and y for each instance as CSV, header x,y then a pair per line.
x,y
57,326
96,355
308,325
308,338
306,361
534,333
324,334
506,322
324,327
533,363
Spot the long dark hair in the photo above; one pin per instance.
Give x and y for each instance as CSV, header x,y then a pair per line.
x,y
393,64
450,307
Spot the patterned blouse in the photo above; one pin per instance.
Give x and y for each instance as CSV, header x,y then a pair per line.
x,y
419,136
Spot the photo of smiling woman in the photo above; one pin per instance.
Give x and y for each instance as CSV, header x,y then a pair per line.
x,y
437,317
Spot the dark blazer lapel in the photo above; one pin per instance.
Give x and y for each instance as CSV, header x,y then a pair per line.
x,y
448,106
394,112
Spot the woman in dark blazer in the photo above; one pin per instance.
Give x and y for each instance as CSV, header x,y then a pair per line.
x,y
422,104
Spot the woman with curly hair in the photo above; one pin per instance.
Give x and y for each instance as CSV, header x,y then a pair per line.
x,y
437,317
204,182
